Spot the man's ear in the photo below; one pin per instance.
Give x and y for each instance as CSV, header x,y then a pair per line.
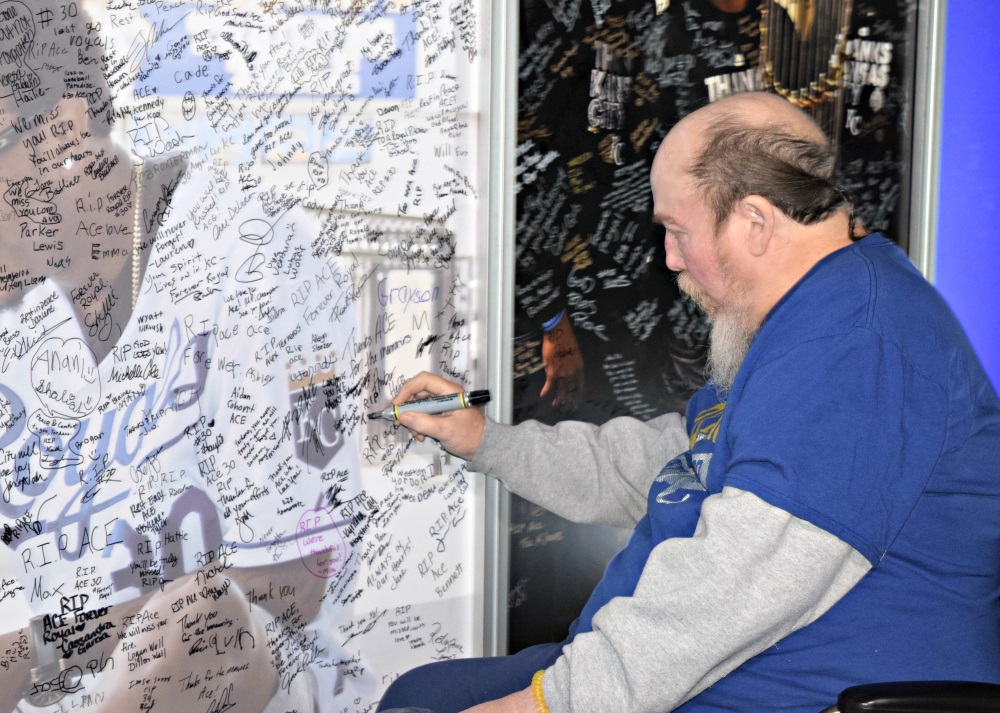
x,y
758,216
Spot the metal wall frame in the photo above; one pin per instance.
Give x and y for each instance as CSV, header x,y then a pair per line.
x,y
502,143
928,92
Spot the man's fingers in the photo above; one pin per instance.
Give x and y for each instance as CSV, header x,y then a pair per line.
x,y
458,432
421,423
423,385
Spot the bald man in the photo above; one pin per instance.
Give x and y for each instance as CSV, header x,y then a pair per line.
x,y
829,511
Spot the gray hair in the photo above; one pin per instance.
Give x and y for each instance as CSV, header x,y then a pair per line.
x,y
794,172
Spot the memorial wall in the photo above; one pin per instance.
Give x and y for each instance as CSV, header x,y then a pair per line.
x,y
230,231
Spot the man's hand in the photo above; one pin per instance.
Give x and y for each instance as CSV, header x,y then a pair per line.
x,y
520,702
459,432
563,366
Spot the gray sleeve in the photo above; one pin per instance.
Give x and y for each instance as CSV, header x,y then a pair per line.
x,y
750,575
583,472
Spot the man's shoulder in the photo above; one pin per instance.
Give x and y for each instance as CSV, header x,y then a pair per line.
x,y
870,284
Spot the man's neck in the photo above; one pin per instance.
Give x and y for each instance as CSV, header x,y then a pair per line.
x,y
799,249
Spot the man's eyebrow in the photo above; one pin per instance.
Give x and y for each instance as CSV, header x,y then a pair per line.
x,y
659,219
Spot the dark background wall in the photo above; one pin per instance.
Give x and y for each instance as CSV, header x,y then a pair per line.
x,y
600,85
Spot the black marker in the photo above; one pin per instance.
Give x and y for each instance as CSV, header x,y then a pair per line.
x,y
435,404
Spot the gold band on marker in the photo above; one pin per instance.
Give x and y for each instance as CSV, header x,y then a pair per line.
x,y
461,397
395,411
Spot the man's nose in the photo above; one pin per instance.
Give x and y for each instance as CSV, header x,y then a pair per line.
x,y
674,261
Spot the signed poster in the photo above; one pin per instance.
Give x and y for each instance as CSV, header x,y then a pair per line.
x,y
229,231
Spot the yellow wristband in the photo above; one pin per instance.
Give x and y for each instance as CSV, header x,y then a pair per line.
x,y
537,694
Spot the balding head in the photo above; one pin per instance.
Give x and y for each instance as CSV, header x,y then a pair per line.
x,y
762,110
755,144
744,189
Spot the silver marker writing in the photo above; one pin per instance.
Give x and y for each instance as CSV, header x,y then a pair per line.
x,y
435,404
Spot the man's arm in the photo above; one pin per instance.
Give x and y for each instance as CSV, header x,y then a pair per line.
x,y
750,575
586,473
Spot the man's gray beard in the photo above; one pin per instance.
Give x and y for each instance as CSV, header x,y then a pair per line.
x,y
732,335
